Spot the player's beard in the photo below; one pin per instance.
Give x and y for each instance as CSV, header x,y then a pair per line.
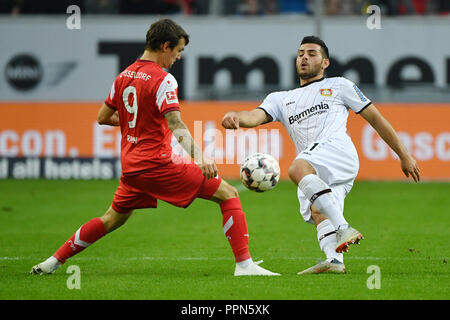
x,y
310,73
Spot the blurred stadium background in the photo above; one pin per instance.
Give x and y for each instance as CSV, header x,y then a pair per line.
x,y
57,64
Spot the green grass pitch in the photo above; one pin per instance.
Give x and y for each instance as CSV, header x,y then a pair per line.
x,y
171,253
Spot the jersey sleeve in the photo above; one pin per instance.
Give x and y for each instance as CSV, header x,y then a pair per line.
x,y
352,97
111,99
167,95
271,105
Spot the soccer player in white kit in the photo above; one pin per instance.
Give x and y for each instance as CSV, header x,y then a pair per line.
x,y
315,116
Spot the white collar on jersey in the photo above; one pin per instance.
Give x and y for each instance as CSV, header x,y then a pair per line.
x,y
312,82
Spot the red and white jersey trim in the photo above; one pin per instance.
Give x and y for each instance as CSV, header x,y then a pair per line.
x,y
167,91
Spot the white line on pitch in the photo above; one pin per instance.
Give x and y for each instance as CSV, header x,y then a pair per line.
x,y
225,258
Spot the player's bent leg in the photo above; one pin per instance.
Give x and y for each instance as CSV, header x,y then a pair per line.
x,y
235,229
333,242
87,234
113,219
233,219
303,174
299,169
317,216
326,236
224,192
321,196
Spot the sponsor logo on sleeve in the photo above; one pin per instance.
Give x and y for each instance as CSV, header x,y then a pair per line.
x,y
359,93
171,97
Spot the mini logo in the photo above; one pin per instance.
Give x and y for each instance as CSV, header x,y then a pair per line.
x,y
72,245
171,97
326,92
23,72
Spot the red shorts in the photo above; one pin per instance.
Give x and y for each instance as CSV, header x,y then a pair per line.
x,y
178,184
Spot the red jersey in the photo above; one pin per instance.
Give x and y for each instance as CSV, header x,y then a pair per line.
x,y
142,94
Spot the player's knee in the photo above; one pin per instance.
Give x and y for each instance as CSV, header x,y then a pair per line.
x,y
230,192
113,220
292,172
226,191
299,169
295,173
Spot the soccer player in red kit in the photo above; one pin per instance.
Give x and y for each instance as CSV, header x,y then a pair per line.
x,y
143,101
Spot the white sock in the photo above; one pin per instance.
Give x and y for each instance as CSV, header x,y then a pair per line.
x,y
320,194
326,236
245,263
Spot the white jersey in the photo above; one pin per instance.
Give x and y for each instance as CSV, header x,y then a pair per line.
x,y
315,111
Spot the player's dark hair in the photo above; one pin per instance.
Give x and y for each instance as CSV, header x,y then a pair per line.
x,y
317,40
164,30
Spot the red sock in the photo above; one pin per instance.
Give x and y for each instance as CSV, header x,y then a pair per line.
x,y
88,233
235,228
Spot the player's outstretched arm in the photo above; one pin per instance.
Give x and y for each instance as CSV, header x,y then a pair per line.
x,y
244,119
184,138
108,116
388,134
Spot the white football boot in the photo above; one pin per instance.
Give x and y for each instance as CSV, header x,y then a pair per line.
x,y
326,266
346,237
49,266
253,269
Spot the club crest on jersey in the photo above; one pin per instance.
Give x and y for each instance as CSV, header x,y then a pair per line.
x,y
326,92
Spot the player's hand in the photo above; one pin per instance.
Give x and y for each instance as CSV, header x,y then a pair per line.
x,y
410,167
208,167
230,120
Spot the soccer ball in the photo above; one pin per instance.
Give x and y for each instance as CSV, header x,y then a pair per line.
x,y
260,172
